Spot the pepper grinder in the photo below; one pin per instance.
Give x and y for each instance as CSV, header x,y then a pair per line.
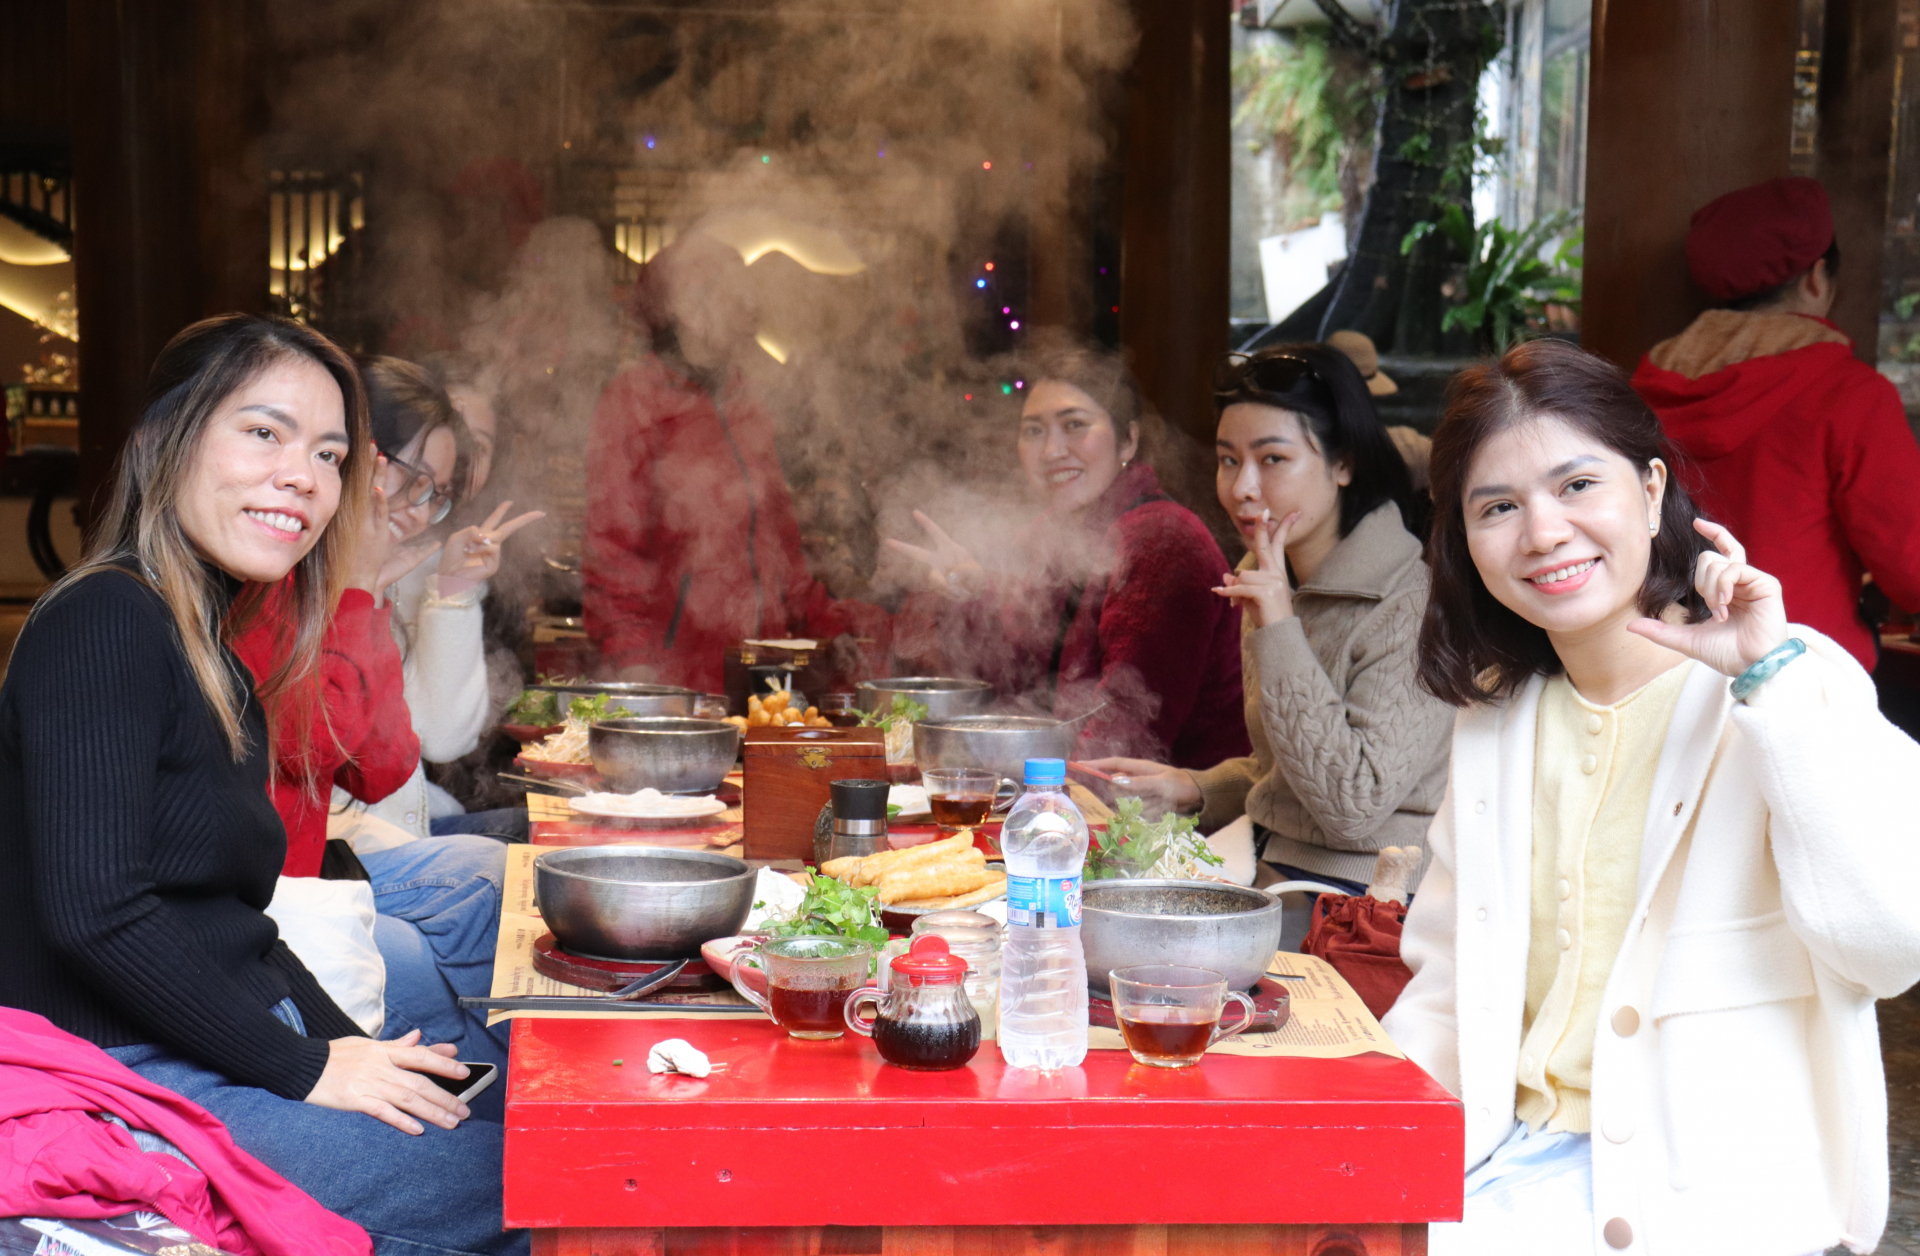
x,y
859,818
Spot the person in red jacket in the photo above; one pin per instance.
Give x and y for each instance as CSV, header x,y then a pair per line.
x,y
354,730
1117,603
1794,444
691,541
360,735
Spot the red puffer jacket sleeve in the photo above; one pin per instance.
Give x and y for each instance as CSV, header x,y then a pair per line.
x,y
1875,466
359,731
366,706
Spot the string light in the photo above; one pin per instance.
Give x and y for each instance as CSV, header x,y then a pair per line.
x,y
649,141
765,158
979,283
1015,324
1006,309
989,265
1006,390
1019,383
969,396
986,165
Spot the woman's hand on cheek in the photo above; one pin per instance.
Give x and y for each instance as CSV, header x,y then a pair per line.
x,y
1264,594
1749,616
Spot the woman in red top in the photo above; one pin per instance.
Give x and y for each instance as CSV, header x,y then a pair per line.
x,y
691,540
361,734
1116,604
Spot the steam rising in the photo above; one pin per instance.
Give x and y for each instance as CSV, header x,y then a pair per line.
x,y
844,146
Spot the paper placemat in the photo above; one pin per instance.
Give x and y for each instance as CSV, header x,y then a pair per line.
x,y
1326,1020
515,977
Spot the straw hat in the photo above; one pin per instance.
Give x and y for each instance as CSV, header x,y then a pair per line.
x,y
1366,358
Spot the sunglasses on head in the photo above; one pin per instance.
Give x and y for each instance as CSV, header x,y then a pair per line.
x,y
1279,373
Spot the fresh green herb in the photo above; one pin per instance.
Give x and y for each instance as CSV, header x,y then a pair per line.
x,y
834,909
904,708
538,707
893,810
596,708
1134,846
618,1063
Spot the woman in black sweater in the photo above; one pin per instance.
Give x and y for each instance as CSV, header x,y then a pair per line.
x,y
133,806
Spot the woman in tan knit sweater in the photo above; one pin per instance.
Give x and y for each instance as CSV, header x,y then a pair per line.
x,y
1349,753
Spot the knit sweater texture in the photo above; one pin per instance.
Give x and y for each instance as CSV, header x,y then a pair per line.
x,y
1349,753
141,856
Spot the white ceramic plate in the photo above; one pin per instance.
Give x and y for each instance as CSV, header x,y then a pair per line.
x,y
648,806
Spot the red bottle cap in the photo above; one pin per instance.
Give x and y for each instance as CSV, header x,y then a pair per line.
x,y
928,962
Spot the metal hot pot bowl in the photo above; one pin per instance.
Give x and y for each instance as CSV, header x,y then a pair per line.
x,y
632,697
641,902
943,696
997,743
675,756
1231,929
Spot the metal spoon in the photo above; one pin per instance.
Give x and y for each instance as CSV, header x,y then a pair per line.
x,y
566,786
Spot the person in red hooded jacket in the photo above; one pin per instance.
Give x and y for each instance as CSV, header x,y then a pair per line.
x,y
1797,446
691,540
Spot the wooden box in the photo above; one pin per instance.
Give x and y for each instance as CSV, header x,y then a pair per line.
x,y
785,777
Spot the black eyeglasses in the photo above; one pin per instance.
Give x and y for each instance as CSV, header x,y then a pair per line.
x,y
420,490
1278,373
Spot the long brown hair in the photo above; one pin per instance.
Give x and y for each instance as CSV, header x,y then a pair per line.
x,y
140,531
1473,648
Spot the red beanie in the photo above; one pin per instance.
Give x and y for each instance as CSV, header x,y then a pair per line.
x,y
1752,241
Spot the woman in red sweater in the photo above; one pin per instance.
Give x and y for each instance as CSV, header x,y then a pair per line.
x,y
1116,602
361,734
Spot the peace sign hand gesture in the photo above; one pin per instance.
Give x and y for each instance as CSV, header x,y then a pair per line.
x,y
951,567
1749,615
473,554
1264,593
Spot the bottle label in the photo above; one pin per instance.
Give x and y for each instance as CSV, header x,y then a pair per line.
x,y
1044,902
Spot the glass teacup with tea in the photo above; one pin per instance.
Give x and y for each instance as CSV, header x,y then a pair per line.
x,y
960,798
1170,1014
808,981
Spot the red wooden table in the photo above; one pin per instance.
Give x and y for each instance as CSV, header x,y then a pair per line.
x,y
819,1148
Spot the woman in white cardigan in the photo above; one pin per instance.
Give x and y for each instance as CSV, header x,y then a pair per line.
x,y
1677,860
437,609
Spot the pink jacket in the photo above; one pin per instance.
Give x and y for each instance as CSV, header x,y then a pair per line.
x,y
57,1159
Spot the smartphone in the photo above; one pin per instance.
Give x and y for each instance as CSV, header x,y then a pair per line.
x,y
478,1078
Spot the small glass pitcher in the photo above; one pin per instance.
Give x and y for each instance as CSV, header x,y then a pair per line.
x,y
923,1019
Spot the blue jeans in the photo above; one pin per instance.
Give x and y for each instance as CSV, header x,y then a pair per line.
x,y
435,1194
509,824
438,905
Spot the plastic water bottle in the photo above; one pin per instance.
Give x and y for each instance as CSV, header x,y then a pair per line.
x,y
1043,971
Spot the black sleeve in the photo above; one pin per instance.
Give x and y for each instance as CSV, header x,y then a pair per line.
x,y
90,754
322,1015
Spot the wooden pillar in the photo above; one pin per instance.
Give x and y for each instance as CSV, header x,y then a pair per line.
x,y
1174,293
1856,134
169,226
1689,99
